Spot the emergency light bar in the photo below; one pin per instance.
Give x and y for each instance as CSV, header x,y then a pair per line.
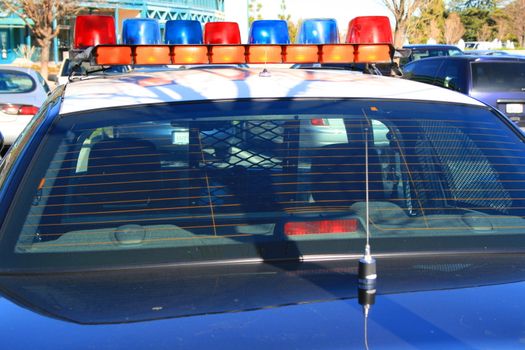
x,y
241,54
369,40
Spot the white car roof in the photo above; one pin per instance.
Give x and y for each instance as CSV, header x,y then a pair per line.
x,y
234,83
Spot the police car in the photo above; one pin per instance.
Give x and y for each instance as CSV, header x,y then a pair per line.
x,y
202,209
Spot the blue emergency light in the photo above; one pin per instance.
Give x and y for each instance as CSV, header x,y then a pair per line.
x,y
140,31
269,32
318,31
183,32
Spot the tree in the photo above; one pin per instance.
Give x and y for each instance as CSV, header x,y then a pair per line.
x,y
454,29
254,10
402,11
516,22
39,15
292,27
460,5
478,21
429,23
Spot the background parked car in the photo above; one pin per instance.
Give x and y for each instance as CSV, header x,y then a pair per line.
x,y
425,51
486,53
22,92
495,80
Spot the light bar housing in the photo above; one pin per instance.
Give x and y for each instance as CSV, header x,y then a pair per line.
x,y
241,54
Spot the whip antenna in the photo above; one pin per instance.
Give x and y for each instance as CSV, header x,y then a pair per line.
x,y
367,264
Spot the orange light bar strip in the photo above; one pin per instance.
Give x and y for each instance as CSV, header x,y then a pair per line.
x,y
240,54
259,54
337,53
300,53
153,54
112,55
190,54
372,53
227,54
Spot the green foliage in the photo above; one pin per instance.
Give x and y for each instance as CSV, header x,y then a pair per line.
x,y
429,24
292,27
254,10
283,15
461,5
476,21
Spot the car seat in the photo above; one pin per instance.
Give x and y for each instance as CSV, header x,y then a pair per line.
x,y
338,175
123,172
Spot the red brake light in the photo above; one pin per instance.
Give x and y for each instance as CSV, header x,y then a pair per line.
x,y
318,122
93,30
296,228
28,110
18,109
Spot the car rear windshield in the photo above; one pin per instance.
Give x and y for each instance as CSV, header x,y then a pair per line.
x,y
420,53
12,82
280,179
498,76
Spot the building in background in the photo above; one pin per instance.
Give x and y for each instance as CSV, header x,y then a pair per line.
x,y
14,32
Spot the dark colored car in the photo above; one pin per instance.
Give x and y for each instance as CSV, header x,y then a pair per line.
x,y
421,51
496,81
191,209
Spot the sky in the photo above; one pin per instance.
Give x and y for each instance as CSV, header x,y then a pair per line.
x,y
342,10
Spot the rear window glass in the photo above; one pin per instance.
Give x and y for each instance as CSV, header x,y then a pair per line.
x,y
15,82
420,53
498,76
266,179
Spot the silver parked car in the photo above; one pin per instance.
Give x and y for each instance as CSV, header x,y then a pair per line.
x,y
22,92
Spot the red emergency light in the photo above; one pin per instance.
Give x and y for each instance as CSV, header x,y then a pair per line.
x,y
222,33
369,30
91,30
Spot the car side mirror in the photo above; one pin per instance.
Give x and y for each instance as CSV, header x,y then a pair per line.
x,y
53,78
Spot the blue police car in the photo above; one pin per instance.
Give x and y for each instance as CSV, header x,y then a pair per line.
x,y
126,224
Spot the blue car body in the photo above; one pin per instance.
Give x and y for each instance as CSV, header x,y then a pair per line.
x,y
468,298
495,80
423,303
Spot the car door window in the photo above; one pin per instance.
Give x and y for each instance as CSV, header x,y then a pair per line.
x,y
423,70
451,75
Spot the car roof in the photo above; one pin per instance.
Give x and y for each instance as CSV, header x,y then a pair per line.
x,y
18,69
474,58
430,46
138,88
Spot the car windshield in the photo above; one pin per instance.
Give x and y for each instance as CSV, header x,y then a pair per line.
x,y
268,179
498,76
12,82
